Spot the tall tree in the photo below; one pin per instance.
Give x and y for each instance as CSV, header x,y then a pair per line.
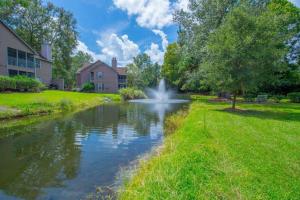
x,y
40,23
142,72
246,51
79,59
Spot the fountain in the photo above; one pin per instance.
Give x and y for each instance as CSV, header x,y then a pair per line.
x,y
159,96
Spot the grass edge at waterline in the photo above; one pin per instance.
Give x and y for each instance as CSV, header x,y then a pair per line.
x,y
249,154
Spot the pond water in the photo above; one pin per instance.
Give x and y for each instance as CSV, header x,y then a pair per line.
x,y
68,157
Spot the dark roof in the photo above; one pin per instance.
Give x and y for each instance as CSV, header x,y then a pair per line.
x,y
25,43
119,70
122,70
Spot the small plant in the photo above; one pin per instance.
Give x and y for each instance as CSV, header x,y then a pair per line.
x,y
88,87
262,98
66,105
294,97
249,97
277,98
131,93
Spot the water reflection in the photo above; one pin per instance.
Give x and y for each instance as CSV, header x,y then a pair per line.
x,y
66,158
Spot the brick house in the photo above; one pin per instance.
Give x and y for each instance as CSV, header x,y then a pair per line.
x,y
107,79
18,58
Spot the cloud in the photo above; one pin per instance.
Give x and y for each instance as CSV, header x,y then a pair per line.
x,y
155,53
182,5
150,13
112,45
163,37
121,47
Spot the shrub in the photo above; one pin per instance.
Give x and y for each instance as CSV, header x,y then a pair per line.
x,y
294,97
66,105
88,87
131,93
20,83
7,83
262,98
249,97
277,98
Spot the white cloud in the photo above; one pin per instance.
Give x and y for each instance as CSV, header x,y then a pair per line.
x,y
81,46
163,37
182,5
112,46
121,47
150,13
155,53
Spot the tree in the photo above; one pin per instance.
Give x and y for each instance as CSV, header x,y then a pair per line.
x,y
170,68
246,51
8,7
78,60
142,72
40,23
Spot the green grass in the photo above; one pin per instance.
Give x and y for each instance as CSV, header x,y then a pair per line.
x,y
16,105
219,154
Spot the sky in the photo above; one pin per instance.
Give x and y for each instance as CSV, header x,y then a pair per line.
x,y
125,28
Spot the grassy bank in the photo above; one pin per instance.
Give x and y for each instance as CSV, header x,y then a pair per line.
x,y
219,154
20,105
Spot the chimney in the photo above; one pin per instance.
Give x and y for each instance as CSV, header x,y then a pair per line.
x,y
114,63
46,51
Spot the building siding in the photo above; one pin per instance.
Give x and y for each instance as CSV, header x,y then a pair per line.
x,y
8,39
109,77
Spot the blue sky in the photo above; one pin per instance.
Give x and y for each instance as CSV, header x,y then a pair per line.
x,y
124,28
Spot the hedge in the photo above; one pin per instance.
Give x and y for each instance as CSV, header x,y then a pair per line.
x,y
20,84
294,97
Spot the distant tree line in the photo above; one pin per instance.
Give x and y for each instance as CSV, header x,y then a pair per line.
x,y
235,46
36,22
143,73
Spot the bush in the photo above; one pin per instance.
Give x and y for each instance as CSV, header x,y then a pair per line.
x,y
262,98
131,93
88,87
277,98
20,83
7,83
294,97
249,97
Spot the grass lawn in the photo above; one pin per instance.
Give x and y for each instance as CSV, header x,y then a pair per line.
x,y
14,105
218,154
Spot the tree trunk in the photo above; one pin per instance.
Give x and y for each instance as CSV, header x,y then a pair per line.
x,y
234,101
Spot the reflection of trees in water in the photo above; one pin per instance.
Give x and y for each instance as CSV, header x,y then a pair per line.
x,y
48,154
110,117
45,158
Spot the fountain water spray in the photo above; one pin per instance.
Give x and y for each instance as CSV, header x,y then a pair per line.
x,y
160,96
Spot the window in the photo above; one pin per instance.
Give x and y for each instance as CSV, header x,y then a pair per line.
x,y
22,73
92,76
12,72
37,63
122,79
30,60
30,74
21,58
100,87
12,56
99,75
122,86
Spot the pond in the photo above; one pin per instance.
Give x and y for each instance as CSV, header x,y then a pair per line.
x,y
68,157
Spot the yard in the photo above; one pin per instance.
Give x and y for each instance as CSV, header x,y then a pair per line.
x,y
16,105
253,153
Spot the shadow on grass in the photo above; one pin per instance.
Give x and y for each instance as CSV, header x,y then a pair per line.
x,y
274,115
